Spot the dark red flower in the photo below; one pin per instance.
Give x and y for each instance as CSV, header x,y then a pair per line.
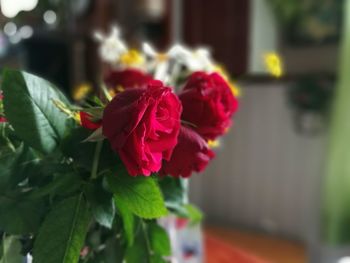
x,y
125,79
142,125
191,154
208,103
87,122
2,119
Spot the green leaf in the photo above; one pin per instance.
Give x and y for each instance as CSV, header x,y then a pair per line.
x,y
157,259
194,214
140,194
20,216
7,167
73,145
176,199
29,109
151,244
102,204
114,251
174,190
159,240
16,167
138,252
63,232
11,250
128,220
60,184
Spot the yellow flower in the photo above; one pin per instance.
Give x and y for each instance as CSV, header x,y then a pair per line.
x,y
81,91
213,144
132,58
273,63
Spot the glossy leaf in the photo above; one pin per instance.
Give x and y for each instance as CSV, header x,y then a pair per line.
x,y
20,216
128,220
102,204
29,108
63,232
140,194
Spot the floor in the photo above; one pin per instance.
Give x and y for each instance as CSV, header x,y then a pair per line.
x,y
269,249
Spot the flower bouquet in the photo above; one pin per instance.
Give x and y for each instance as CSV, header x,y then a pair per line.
x,y
87,182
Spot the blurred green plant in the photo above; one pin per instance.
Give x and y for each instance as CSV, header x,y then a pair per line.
x,y
336,207
310,21
311,96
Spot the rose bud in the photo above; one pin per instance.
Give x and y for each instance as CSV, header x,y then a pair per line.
x,y
142,125
191,154
119,80
208,104
87,122
2,118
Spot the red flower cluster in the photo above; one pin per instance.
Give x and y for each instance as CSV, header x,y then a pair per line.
x,y
143,123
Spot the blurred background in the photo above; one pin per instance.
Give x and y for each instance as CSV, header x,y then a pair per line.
x,y
263,193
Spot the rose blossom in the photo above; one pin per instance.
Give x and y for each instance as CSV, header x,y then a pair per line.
x,y
208,104
190,154
128,78
142,125
87,122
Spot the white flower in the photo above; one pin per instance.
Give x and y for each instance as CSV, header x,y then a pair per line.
x,y
158,61
195,60
111,46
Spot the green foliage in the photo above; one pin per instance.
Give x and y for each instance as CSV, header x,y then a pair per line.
x,y
159,240
140,194
70,200
128,220
63,232
20,216
175,194
29,109
102,204
151,244
11,250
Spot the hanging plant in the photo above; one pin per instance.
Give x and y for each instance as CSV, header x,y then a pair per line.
x,y
312,21
310,97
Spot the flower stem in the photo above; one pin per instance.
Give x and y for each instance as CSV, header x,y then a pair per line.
x,y
148,244
96,160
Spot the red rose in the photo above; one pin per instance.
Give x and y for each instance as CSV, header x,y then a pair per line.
x,y
190,154
128,78
87,122
208,104
142,125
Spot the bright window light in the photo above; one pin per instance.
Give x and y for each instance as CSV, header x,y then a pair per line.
x,y
10,8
